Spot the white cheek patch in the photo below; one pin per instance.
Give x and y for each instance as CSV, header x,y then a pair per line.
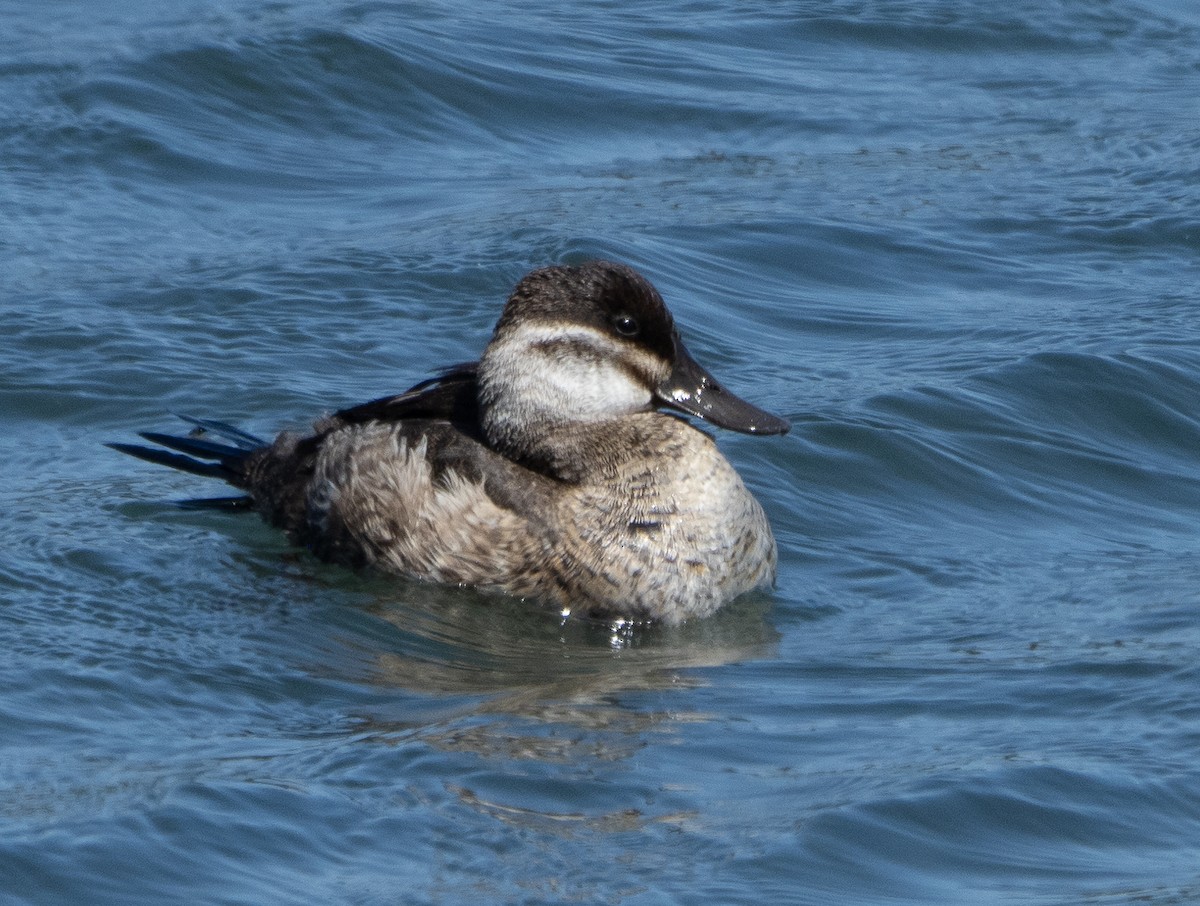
x,y
592,391
566,372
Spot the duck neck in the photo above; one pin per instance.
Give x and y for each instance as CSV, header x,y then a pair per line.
x,y
530,434
545,409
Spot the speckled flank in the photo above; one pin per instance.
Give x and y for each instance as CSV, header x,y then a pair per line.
x,y
374,499
663,528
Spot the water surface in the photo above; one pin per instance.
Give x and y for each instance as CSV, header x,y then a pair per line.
x,y
957,244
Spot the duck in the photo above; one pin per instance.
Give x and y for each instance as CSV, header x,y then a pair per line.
x,y
562,467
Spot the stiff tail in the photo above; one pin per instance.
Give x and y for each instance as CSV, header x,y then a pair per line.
x,y
198,454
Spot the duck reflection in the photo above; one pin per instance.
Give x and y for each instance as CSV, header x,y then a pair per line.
x,y
523,683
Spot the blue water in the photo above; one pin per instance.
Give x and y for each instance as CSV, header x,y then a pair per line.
x,y
957,243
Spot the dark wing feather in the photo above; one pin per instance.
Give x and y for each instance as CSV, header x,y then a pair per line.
x,y
449,397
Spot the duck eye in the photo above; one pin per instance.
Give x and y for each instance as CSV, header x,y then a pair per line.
x,y
625,325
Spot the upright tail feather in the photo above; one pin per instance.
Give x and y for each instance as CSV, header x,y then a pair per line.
x,y
203,456
241,439
175,460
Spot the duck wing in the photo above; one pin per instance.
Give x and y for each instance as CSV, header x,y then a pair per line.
x,y
277,474
449,397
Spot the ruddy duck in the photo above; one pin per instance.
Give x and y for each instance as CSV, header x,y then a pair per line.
x,y
545,470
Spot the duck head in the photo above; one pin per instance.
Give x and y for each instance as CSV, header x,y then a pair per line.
x,y
591,343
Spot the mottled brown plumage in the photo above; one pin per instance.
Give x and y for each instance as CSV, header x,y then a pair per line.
x,y
543,471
